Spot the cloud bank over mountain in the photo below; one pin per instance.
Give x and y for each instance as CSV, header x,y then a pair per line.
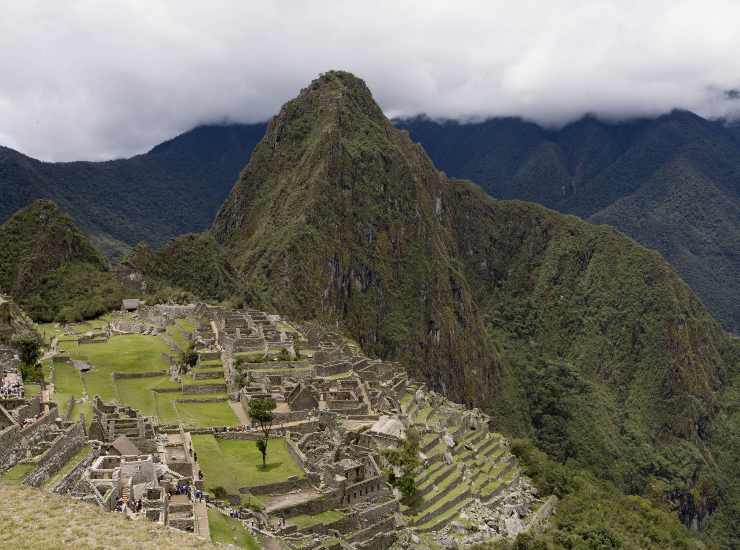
x,y
98,80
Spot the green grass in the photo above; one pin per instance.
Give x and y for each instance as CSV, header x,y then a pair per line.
x,y
232,464
180,332
206,414
31,390
139,392
303,521
68,383
211,362
128,353
74,460
227,530
422,415
17,473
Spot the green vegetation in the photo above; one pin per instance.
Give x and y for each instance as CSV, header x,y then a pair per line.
x,y
232,464
592,513
175,188
28,346
569,333
50,267
227,530
171,275
406,460
303,521
188,358
17,472
668,182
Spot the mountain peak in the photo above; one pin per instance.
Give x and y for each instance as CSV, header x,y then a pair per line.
x,y
334,92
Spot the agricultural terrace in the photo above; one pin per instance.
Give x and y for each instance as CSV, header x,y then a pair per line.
x,y
131,354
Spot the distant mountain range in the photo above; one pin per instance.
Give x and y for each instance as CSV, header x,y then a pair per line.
x,y
175,188
672,183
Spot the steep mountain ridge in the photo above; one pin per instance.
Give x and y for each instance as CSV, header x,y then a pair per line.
x,y
337,217
50,267
570,333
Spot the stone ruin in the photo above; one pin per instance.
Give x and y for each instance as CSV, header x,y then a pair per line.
x,y
337,411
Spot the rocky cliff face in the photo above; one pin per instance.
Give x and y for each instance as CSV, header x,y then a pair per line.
x,y
567,332
13,321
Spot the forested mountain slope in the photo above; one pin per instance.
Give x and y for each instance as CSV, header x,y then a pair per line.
x,y
672,183
173,189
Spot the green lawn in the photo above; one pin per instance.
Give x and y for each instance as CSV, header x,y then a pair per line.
x,y
17,473
128,353
31,390
138,392
206,414
180,333
230,531
68,383
232,464
307,520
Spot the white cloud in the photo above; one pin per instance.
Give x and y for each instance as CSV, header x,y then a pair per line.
x,y
88,79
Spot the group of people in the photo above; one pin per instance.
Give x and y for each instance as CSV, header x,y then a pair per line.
x,y
11,388
196,495
133,505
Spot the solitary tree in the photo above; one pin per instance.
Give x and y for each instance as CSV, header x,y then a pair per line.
x,y
28,346
260,410
188,359
403,461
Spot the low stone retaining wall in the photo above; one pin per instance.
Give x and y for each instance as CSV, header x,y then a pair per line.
x,y
146,374
388,524
209,355
305,427
296,453
343,525
203,388
283,417
278,487
445,507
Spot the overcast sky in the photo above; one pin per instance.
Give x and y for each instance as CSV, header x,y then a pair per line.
x,y
102,79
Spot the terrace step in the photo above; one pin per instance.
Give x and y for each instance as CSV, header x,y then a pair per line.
x,y
441,520
459,494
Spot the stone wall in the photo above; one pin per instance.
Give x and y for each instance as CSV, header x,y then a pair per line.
x,y
362,490
15,442
56,456
283,417
296,453
277,487
68,482
146,374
